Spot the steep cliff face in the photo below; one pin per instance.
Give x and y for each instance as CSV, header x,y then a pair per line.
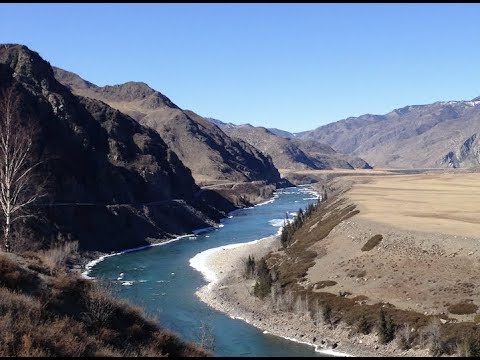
x,y
118,181
203,147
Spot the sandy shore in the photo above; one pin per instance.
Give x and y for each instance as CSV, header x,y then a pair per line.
x,y
229,292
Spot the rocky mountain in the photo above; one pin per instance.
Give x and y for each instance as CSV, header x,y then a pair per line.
x,y
203,147
442,134
222,124
295,154
112,182
282,133
275,131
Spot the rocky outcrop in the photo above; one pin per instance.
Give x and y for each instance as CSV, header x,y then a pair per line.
x,y
468,155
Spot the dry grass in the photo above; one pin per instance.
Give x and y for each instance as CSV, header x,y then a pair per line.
x,y
64,315
446,203
56,257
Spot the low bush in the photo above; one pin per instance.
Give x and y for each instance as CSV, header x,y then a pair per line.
x,y
372,242
462,308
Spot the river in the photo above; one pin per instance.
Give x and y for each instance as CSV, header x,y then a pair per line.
x,y
160,279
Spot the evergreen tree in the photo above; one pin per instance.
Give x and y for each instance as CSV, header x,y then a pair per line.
x,y
250,267
386,328
327,313
264,280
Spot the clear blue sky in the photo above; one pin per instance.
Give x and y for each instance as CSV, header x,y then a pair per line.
x,y
289,66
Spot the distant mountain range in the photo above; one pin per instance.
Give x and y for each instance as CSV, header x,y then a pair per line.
x,y
443,134
288,152
295,154
439,135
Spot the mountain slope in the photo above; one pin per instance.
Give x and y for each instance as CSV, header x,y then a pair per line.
x,y
118,181
294,154
442,134
201,146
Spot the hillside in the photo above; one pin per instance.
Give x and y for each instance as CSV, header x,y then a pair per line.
x,y
186,133
46,311
118,183
442,134
295,154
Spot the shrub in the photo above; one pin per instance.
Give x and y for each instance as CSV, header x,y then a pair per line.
x,y
57,256
372,242
433,332
99,306
363,325
469,347
462,308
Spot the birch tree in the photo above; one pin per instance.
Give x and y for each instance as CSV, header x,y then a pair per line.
x,y
18,187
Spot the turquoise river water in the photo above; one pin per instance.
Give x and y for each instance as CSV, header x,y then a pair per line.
x,y
160,279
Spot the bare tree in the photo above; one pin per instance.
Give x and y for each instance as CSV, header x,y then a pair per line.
x,y
18,187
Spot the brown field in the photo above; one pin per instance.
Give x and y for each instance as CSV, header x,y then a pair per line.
x,y
337,171
443,203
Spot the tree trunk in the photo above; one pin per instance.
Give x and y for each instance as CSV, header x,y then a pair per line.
x,y
7,233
